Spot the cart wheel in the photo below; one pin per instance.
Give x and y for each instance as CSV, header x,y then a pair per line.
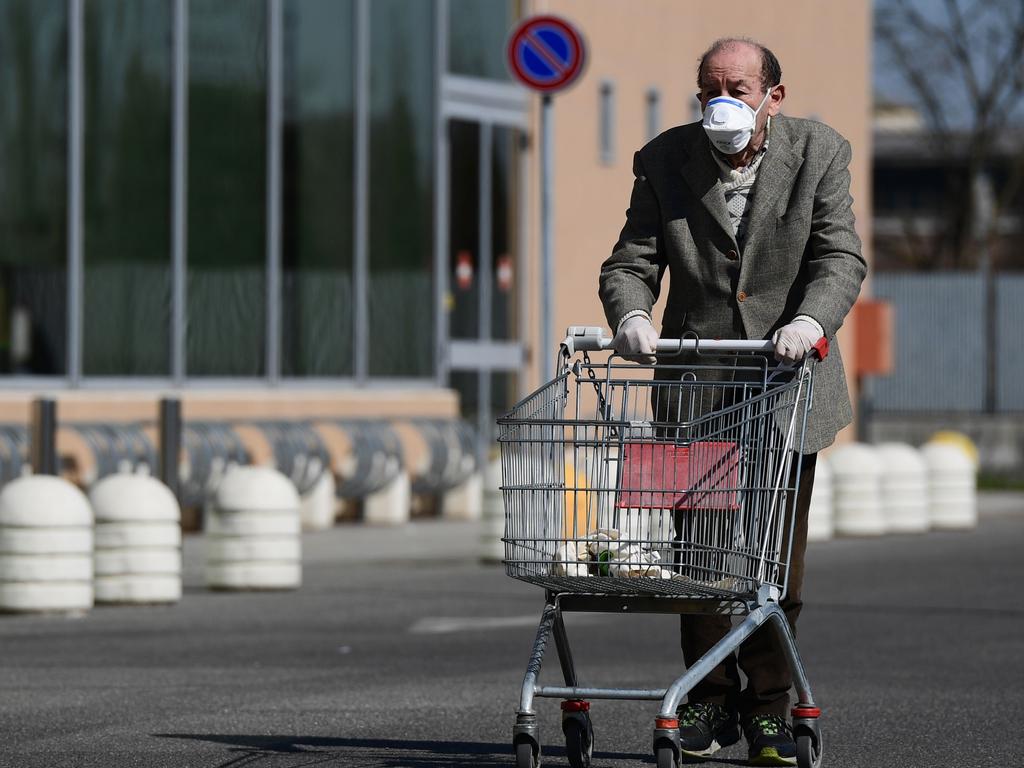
x,y
579,739
525,756
806,755
665,757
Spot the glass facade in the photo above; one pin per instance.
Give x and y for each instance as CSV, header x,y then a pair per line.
x,y
227,152
505,149
401,252
352,290
127,188
463,229
318,155
33,187
477,32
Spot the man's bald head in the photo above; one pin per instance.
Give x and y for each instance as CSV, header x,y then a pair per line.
x,y
771,70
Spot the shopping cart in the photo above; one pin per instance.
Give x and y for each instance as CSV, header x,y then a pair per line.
x,y
655,489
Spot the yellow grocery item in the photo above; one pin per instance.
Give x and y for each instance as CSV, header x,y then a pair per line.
x,y
577,497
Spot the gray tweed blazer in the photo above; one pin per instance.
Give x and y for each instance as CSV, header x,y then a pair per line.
x,y
801,254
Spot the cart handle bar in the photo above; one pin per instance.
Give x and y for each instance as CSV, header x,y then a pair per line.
x,y
591,338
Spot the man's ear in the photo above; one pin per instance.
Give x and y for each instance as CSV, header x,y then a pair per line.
x,y
774,104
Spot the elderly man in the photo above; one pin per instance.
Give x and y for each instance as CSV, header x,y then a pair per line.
x,y
750,212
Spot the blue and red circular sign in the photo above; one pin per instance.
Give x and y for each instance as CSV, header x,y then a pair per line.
x,y
546,53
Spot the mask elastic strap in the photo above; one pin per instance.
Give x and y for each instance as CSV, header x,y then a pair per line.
x,y
764,100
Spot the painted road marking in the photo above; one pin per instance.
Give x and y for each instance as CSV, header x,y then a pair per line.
x,y
446,625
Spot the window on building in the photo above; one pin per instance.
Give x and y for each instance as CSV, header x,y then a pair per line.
x,y
401,178
33,187
317,317
607,121
505,293
227,147
477,32
464,201
653,113
127,188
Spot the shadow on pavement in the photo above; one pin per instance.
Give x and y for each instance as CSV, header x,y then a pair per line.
x,y
295,751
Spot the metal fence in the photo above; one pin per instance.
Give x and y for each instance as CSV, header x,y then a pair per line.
x,y
940,343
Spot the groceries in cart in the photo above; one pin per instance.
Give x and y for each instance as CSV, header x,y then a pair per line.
x,y
650,484
604,553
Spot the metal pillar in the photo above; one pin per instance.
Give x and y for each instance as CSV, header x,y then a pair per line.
x,y
44,436
170,443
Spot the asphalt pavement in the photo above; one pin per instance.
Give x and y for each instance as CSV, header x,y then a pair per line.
x,y
402,651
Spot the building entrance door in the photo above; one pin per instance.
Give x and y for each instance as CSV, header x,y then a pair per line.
x,y
483,167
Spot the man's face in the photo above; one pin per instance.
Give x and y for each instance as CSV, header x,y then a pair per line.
x,y
736,71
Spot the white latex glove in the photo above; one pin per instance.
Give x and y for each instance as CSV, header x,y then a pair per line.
x,y
636,340
792,342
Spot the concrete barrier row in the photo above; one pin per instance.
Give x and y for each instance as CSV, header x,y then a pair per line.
x,y
63,552
871,490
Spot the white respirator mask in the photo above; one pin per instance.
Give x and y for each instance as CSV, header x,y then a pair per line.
x,y
729,123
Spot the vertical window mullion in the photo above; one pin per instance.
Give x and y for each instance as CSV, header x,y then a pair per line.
x,y
75,186
360,267
441,171
179,200
274,46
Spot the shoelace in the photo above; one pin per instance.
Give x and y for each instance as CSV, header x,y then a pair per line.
x,y
769,725
694,713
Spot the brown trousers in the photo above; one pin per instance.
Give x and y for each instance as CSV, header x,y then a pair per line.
x,y
760,657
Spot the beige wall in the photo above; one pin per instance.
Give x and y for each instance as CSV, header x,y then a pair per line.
x,y
824,50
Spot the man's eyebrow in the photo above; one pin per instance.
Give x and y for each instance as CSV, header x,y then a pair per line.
x,y
732,83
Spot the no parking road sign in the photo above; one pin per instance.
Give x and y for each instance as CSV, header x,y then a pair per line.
x,y
546,53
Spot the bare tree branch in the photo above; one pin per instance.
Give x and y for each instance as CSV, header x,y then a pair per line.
x,y
917,77
960,44
976,45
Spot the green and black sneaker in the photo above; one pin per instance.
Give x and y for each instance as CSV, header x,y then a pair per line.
x,y
770,740
704,728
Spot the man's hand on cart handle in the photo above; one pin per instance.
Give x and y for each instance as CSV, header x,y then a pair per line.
x,y
591,338
636,340
793,341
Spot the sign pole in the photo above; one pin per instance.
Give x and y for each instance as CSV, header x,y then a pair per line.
x,y
547,267
547,54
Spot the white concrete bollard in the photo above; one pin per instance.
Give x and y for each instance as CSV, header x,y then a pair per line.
x,y
821,515
465,501
952,487
492,550
391,504
46,540
904,486
856,478
252,539
137,558
320,505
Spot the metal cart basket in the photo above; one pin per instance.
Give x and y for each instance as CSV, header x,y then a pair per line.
x,y
659,489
